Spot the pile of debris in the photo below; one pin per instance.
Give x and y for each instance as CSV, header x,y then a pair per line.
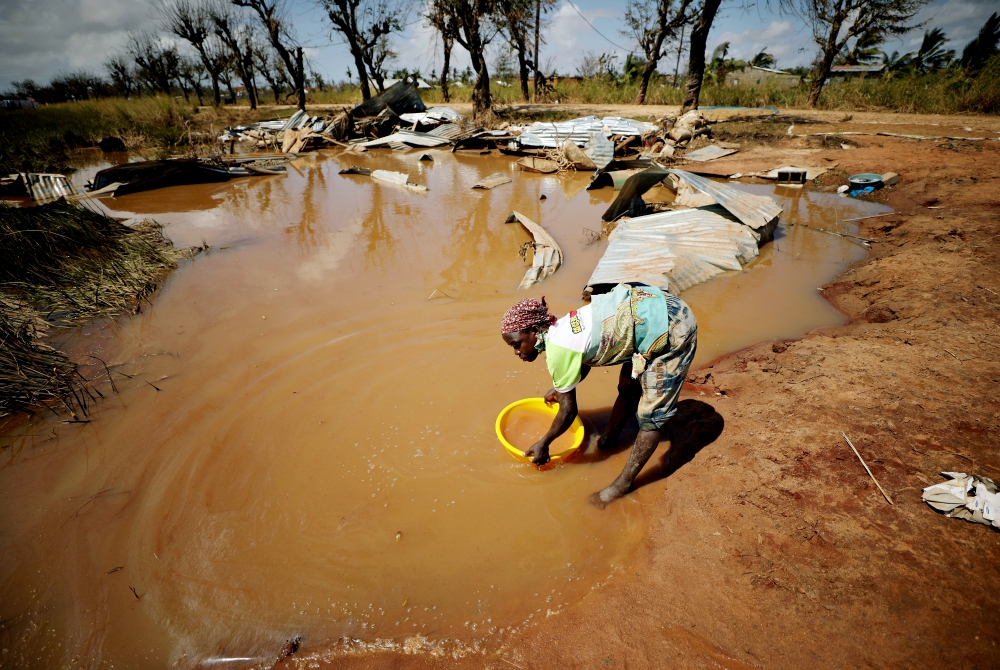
x,y
391,118
708,228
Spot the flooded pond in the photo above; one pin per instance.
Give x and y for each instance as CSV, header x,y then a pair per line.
x,y
304,441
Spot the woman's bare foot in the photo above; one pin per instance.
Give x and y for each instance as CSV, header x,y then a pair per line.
x,y
603,498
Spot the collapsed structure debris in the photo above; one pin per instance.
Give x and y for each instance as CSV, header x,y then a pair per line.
x,y
148,175
492,181
674,250
546,257
386,176
970,497
711,152
535,164
38,186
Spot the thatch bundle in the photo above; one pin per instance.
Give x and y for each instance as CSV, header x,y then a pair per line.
x,y
64,265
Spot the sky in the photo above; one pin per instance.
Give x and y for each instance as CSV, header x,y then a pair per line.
x,y
41,38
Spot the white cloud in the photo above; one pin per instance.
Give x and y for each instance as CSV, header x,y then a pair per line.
x,y
38,38
781,39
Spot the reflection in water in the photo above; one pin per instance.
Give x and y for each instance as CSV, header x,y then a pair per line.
x,y
315,405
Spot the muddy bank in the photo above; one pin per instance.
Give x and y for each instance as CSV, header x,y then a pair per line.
x,y
768,544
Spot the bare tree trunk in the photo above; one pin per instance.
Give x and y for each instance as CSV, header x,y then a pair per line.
x,y
696,56
248,79
447,40
482,98
830,51
359,65
677,65
821,77
216,92
647,74
300,78
522,62
537,64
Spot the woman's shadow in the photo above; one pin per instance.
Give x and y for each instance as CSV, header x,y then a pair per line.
x,y
695,426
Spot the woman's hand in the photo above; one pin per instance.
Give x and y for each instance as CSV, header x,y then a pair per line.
x,y
539,453
551,396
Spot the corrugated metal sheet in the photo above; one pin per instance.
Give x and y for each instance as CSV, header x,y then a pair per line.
x,y
434,114
579,130
293,120
448,131
600,150
711,152
674,250
756,211
547,256
45,187
410,138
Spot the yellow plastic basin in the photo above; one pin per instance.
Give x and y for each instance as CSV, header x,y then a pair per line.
x,y
538,405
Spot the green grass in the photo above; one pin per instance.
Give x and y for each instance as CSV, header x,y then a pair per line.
x,y
38,140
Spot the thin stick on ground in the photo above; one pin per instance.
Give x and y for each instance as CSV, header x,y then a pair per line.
x,y
867,469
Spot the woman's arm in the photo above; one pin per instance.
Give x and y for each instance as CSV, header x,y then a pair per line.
x,y
539,452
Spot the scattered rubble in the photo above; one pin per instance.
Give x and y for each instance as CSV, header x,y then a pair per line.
x,y
547,256
708,229
148,175
37,186
492,181
535,164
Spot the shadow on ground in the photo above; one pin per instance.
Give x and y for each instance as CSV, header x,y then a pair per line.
x,y
695,426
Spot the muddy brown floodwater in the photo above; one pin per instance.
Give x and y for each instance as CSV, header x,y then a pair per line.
x,y
305,441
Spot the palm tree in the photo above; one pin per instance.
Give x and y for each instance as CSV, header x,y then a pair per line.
x,y
763,59
896,62
932,54
983,47
865,51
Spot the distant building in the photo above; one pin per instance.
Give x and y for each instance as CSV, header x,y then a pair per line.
x,y
18,104
421,84
752,75
856,70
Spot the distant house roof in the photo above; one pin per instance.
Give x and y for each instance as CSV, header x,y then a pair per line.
x,y
421,84
850,69
768,69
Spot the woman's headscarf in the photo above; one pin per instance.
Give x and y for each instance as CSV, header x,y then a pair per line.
x,y
525,314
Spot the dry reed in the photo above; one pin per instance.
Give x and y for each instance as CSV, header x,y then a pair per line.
x,y
64,265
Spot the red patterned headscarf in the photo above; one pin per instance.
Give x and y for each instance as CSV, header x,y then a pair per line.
x,y
525,314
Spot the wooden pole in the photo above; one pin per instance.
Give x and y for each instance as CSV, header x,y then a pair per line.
x,y
538,19
866,468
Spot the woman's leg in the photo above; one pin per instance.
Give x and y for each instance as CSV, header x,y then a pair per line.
x,y
629,392
645,444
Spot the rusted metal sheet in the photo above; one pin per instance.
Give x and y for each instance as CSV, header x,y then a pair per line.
x,y
675,250
547,256
756,211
